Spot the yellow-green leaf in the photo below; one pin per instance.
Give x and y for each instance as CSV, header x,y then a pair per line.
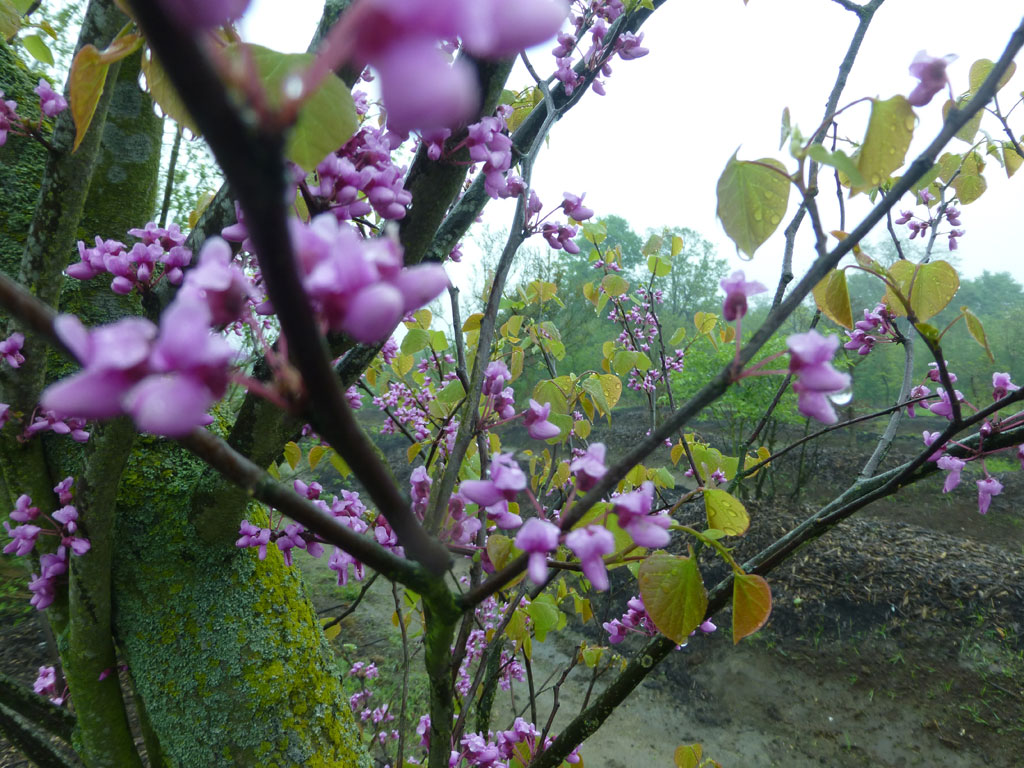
x,y
751,605
674,594
833,298
1011,159
612,386
40,51
981,69
890,129
930,287
340,464
10,20
162,91
292,454
688,756
614,285
752,199
725,512
969,183
705,322
316,453
977,330
970,128
677,246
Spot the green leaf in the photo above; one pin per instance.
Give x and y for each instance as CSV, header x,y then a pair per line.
x,y
981,69
40,51
592,386
977,330
833,298
678,336
786,128
890,129
88,74
624,361
292,454
452,393
930,287
970,184
658,266
838,160
414,341
10,20
614,285
751,605
752,200
674,594
22,6
546,616
548,391
327,118
725,512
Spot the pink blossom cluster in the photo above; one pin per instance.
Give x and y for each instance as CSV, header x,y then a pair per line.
x,y
594,17
359,286
406,408
876,326
361,177
48,421
920,225
10,350
988,486
399,39
46,685
63,524
8,117
161,253
636,620
51,104
165,378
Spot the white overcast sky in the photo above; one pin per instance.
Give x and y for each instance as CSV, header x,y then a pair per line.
x,y
717,78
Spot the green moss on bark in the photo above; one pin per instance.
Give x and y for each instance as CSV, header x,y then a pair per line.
x,y
224,648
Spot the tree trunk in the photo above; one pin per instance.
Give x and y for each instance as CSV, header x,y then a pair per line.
x,y
224,650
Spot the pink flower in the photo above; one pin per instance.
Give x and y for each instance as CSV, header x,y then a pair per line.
x,y
507,479
574,208
1002,386
737,290
810,361
589,468
10,350
590,544
954,467
634,512
931,71
538,538
51,103
537,424
987,488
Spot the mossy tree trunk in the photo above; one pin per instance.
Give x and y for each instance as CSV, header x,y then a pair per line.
x,y
223,649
